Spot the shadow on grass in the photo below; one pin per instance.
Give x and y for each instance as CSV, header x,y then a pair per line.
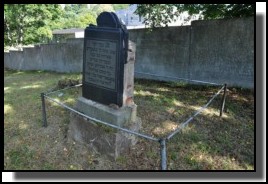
x,y
210,142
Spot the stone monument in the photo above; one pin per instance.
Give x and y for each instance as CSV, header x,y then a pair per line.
x,y
107,90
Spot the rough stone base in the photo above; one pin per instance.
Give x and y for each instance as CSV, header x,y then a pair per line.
x,y
101,138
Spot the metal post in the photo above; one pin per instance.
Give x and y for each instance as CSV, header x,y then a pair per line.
x,y
223,99
163,153
44,110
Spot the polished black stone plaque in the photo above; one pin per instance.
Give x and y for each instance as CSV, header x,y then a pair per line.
x,y
105,53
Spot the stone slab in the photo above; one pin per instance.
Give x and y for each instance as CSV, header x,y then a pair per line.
x,y
110,114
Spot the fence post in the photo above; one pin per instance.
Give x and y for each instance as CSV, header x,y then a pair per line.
x,y
163,153
223,100
44,110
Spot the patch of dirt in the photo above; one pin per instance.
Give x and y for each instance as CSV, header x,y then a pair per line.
x,y
67,82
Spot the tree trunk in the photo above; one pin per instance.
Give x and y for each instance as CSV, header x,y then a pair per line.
x,y
20,29
7,30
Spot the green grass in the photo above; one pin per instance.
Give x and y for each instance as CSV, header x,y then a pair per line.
x,y
209,142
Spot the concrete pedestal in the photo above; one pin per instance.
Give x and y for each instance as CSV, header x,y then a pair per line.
x,y
103,139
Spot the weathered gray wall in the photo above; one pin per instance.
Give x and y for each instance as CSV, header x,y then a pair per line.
x,y
60,57
220,51
164,52
223,51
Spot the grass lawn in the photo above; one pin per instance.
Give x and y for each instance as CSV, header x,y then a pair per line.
x,y
209,142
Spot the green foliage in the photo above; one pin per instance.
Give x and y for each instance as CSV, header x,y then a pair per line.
x,y
76,8
87,19
221,11
157,14
161,14
33,23
120,6
75,16
98,8
28,23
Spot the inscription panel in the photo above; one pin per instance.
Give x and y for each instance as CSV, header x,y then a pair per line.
x,y
100,63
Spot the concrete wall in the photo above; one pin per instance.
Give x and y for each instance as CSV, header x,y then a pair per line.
x,y
220,51
163,52
59,57
223,51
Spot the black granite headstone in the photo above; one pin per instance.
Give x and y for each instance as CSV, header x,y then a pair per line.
x,y
105,53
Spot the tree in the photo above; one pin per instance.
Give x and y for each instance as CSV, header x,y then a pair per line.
x,y
75,16
120,6
221,11
75,8
101,8
86,19
162,14
78,8
28,23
